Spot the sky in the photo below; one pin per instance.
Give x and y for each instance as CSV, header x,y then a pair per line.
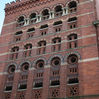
x,y
2,14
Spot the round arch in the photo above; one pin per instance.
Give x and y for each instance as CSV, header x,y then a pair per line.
x,y
16,66
23,63
68,1
56,55
75,53
40,58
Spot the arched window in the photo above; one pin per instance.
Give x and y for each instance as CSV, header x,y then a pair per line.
x,y
25,67
44,29
55,70
11,69
33,18
23,76
45,14
72,23
58,11
39,71
20,21
40,64
56,62
72,41
58,26
72,59
18,36
14,52
41,47
56,44
72,6
72,75
27,50
10,78
30,32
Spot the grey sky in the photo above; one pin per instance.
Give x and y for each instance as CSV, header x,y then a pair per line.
x,y
2,6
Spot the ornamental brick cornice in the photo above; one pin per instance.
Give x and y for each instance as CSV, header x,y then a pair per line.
x,y
22,5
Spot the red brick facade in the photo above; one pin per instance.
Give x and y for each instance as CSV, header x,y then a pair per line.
x,y
49,49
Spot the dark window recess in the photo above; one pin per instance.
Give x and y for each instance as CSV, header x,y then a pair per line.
x,y
25,66
11,69
72,44
8,88
20,19
31,30
73,80
72,4
58,8
39,84
23,86
45,12
58,29
43,33
56,61
58,11
44,26
33,15
72,19
57,23
18,33
72,7
27,46
40,64
72,59
55,83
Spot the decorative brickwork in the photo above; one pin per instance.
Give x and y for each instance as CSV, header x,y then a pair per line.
x,y
7,95
20,95
37,94
54,93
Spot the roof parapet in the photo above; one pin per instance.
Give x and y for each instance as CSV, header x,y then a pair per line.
x,y
17,2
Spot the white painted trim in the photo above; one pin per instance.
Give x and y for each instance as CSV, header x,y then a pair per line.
x,y
3,73
88,60
85,2
32,68
47,66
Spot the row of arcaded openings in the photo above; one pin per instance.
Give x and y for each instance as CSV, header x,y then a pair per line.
x,y
56,61
58,11
72,68
57,26
41,46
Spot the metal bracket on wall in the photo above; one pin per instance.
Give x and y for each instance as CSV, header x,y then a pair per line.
x,y
96,23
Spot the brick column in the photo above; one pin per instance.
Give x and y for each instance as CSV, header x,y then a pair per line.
x,y
15,85
2,85
63,81
29,84
46,82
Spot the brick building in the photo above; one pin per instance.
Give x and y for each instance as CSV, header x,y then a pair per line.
x,y
49,49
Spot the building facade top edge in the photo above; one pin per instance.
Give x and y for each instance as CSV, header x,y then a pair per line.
x,y
19,3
